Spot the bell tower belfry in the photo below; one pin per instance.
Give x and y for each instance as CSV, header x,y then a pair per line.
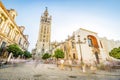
x,y
44,35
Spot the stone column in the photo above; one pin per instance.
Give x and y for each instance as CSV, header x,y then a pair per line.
x,y
11,33
16,35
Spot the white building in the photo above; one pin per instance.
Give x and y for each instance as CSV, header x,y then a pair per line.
x,y
90,47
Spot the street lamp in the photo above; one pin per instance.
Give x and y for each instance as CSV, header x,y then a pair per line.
x,y
80,42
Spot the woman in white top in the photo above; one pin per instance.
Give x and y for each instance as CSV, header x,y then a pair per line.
x,y
62,64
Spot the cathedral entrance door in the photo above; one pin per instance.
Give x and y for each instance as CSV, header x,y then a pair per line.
x,y
97,57
74,56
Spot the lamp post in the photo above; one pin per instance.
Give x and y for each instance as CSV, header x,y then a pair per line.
x,y
81,42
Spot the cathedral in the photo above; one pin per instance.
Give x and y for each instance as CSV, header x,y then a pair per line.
x,y
44,35
83,45
86,46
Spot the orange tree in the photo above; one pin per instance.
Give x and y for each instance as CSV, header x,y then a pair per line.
x,y
15,50
58,54
27,54
46,56
115,53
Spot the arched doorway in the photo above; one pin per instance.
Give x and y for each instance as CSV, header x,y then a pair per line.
x,y
92,42
97,57
3,48
74,56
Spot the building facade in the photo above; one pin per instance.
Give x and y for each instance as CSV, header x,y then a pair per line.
x,y
68,47
44,35
86,46
10,32
108,45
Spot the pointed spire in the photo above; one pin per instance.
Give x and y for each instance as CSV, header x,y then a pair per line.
x,y
46,8
46,12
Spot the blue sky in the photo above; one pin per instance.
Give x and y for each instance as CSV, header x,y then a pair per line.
x,y
101,16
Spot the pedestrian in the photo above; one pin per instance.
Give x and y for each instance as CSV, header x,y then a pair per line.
x,y
37,61
70,64
62,64
93,67
84,67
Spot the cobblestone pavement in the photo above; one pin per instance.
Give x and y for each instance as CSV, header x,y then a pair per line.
x,y
30,71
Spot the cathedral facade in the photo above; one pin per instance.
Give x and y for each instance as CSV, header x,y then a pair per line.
x,y
44,35
86,46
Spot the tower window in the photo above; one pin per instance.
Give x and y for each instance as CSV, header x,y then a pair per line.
x,y
73,45
45,27
44,31
43,40
46,20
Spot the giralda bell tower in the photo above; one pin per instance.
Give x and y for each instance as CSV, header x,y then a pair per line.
x,y
44,35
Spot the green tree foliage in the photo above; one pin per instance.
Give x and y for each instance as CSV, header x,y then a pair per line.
x,y
46,56
59,54
15,50
27,54
115,53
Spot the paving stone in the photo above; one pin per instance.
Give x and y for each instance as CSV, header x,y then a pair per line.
x,y
28,71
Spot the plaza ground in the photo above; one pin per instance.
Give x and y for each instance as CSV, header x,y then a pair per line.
x,y
37,71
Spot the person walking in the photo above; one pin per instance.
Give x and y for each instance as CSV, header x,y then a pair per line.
x,y
62,64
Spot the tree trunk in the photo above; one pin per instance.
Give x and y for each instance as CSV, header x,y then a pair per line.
x,y
57,62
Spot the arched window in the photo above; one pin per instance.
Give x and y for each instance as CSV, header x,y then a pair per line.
x,y
43,50
90,42
45,19
73,44
73,55
43,45
3,44
43,40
